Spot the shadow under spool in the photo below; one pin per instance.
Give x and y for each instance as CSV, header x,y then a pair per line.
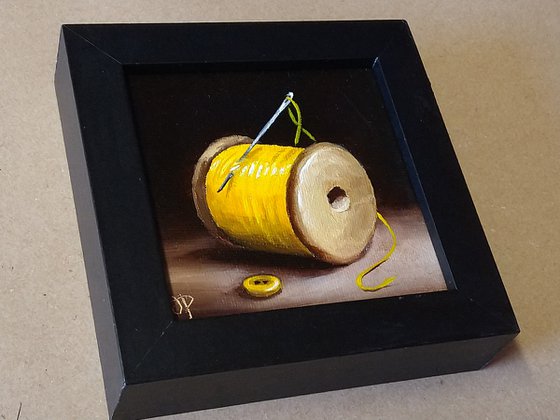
x,y
328,196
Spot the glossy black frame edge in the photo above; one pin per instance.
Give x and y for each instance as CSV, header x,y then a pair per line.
x,y
154,364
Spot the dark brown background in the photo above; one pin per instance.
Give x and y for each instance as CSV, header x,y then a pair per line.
x,y
178,114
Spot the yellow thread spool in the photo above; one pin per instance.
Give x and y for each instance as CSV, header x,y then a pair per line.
x,y
315,202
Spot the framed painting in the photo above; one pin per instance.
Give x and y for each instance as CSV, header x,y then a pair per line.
x,y
269,209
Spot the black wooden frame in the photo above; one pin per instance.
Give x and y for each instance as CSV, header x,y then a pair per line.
x,y
154,364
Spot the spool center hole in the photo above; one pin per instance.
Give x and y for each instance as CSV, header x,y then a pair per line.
x,y
338,199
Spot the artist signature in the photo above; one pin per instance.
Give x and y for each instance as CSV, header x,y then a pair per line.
x,y
181,304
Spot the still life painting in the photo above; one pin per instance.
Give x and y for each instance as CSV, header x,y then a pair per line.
x,y
275,189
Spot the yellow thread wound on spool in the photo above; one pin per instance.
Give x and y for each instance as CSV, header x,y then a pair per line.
x,y
252,209
328,196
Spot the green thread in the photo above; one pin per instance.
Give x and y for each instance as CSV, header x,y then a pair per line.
x,y
298,122
307,133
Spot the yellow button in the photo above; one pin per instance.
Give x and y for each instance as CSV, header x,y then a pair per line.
x,y
262,285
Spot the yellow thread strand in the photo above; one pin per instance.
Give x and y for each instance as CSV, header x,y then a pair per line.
x,y
252,209
387,281
306,132
298,122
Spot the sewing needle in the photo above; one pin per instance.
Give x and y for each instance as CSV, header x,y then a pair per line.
x,y
281,108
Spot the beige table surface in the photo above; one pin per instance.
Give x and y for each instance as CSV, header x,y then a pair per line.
x,y
495,70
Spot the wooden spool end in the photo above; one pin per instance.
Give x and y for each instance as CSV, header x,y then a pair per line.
x,y
199,181
331,203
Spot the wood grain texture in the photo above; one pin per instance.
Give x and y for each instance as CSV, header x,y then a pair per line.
x,y
335,235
